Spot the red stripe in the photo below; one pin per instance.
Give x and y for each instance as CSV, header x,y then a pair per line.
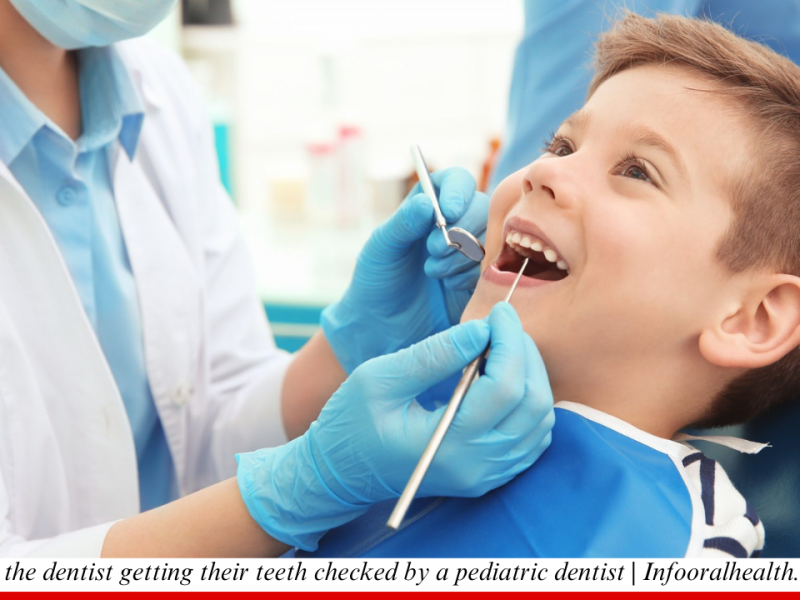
x,y
539,595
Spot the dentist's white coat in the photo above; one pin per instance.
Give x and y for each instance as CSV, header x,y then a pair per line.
x,y
67,460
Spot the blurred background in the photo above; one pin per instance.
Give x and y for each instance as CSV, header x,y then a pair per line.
x,y
314,105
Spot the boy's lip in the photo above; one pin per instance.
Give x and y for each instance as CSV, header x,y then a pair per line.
x,y
506,277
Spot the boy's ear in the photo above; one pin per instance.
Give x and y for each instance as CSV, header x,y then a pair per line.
x,y
761,329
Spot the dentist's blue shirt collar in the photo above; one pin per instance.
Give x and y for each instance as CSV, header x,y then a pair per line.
x,y
111,108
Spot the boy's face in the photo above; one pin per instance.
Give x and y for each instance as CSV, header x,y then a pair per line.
x,y
633,195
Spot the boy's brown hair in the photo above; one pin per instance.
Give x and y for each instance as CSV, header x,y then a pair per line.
x,y
765,229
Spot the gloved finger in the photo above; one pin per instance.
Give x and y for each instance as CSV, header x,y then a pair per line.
x,y
441,267
418,427
415,369
507,357
500,458
455,187
412,221
437,245
525,428
466,285
537,401
473,220
417,189
496,393
475,216
463,281
518,459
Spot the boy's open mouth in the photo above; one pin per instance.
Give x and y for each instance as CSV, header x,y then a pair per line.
x,y
544,264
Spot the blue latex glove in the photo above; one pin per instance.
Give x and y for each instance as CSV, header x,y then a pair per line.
x,y
372,432
408,285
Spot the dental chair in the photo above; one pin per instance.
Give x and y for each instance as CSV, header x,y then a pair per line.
x,y
770,480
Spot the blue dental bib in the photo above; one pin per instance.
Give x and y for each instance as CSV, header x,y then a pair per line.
x,y
595,493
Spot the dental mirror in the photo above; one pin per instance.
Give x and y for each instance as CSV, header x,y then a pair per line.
x,y
455,237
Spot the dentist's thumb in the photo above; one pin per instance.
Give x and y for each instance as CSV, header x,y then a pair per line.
x,y
426,363
411,222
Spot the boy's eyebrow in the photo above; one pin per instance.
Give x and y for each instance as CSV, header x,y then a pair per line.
x,y
577,120
645,136
638,134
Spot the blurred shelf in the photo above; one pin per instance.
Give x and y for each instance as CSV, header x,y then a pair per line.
x,y
302,264
223,38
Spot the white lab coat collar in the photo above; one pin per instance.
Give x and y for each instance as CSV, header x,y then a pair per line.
x,y
152,99
5,173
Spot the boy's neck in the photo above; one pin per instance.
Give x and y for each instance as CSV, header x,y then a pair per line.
x,y
660,400
45,73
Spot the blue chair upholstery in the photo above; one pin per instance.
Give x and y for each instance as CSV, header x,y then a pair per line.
x,y
769,480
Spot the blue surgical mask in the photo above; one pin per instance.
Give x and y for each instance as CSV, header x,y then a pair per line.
x,y
75,24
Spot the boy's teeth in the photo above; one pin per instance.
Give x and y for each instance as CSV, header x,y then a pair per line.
x,y
522,241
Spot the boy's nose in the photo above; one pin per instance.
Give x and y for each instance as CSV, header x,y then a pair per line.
x,y
552,178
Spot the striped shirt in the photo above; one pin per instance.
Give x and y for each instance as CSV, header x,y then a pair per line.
x,y
732,528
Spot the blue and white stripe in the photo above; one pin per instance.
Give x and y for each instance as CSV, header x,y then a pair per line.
x,y
732,528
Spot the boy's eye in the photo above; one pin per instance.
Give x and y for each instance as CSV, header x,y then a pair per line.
x,y
636,172
562,150
629,165
557,145
635,168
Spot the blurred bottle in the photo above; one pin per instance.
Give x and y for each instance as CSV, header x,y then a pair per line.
x,y
354,209
322,193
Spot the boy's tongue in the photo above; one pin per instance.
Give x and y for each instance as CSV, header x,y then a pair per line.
x,y
538,266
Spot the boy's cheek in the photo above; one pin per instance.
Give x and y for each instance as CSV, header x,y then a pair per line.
x,y
506,195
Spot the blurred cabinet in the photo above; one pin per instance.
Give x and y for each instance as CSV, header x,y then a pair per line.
x,y
292,325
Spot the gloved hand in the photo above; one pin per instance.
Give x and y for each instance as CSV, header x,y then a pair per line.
x,y
372,432
392,302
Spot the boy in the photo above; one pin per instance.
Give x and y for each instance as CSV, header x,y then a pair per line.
x,y
663,292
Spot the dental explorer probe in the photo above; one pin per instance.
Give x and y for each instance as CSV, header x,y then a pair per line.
x,y
400,509
460,239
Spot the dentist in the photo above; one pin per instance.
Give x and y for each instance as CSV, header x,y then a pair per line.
x,y
135,359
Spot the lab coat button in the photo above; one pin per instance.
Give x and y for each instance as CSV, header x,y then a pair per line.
x,y
66,195
182,394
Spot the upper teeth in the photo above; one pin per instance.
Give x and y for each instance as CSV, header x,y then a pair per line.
x,y
519,241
